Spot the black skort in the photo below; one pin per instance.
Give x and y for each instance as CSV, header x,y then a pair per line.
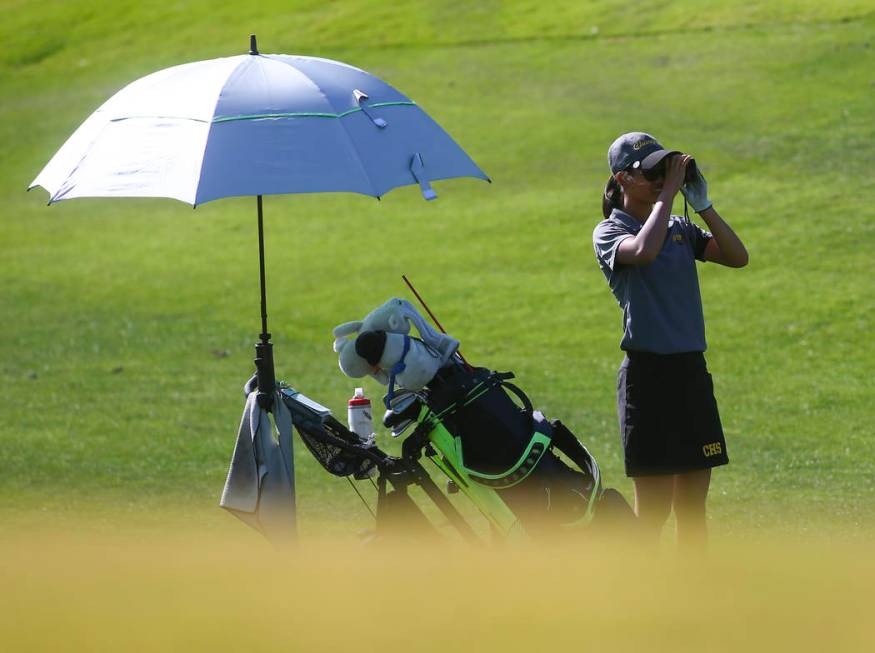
x,y
669,421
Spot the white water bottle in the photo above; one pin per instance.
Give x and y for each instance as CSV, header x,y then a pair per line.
x,y
358,415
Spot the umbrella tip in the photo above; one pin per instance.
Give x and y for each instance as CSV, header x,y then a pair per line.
x,y
253,46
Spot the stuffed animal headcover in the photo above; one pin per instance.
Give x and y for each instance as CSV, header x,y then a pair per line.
x,y
380,344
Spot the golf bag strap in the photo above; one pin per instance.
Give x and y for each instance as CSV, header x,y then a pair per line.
x,y
567,443
528,409
494,380
527,403
532,455
397,369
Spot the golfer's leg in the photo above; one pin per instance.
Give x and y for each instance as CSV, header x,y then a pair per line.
x,y
690,495
653,497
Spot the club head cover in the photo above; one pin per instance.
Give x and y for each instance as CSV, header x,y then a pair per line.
x,y
341,331
350,362
359,345
420,364
389,317
370,346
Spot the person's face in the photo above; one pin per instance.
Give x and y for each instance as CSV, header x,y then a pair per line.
x,y
644,188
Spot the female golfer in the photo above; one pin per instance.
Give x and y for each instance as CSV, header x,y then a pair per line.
x,y
669,422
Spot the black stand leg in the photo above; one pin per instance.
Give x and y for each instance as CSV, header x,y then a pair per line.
x,y
448,509
398,516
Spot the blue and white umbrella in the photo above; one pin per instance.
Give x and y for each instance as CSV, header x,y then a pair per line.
x,y
253,125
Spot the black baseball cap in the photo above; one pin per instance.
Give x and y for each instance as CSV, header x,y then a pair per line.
x,y
636,150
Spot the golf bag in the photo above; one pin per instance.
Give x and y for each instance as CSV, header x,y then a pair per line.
x,y
482,433
479,429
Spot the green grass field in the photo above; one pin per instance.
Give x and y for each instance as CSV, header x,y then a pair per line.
x,y
128,325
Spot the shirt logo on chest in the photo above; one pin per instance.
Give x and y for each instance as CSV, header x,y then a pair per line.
x,y
678,238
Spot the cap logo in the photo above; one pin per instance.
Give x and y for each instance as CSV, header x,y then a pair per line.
x,y
640,144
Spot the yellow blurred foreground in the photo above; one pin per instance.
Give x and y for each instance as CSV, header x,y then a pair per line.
x,y
181,593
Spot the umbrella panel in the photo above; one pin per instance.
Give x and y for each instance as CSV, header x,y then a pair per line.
x,y
318,154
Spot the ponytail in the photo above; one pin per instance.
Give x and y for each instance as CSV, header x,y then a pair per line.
x,y
612,198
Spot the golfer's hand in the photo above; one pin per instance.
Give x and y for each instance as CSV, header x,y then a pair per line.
x,y
696,193
675,170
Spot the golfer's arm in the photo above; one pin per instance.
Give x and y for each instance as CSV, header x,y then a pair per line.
x,y
725,247
644,247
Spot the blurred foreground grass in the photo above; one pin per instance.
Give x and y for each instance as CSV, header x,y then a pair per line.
x,y
190,592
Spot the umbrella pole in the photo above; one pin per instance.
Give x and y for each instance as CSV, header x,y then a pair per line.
x,y
264,369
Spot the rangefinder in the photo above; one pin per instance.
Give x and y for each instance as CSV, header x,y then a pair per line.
x,y
692,172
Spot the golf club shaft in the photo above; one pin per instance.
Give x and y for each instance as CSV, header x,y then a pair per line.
x,y
434,319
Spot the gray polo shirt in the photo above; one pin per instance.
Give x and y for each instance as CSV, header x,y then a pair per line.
x,y
661,302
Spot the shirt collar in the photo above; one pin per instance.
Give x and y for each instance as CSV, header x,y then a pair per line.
x,y
625,219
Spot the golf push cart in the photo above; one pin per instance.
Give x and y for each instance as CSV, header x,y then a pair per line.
x,y
479,429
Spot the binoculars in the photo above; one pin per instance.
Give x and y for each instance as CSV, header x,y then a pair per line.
x,y
692,172
658,172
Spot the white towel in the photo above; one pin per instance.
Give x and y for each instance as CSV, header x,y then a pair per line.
x,y
260,488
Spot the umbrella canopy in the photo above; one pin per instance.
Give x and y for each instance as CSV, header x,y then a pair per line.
x,y
254,124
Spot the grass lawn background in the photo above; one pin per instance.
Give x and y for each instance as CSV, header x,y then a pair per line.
x,y
128,325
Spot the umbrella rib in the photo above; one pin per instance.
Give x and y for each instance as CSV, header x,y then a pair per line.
x,y
63,188
150,117
358,157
